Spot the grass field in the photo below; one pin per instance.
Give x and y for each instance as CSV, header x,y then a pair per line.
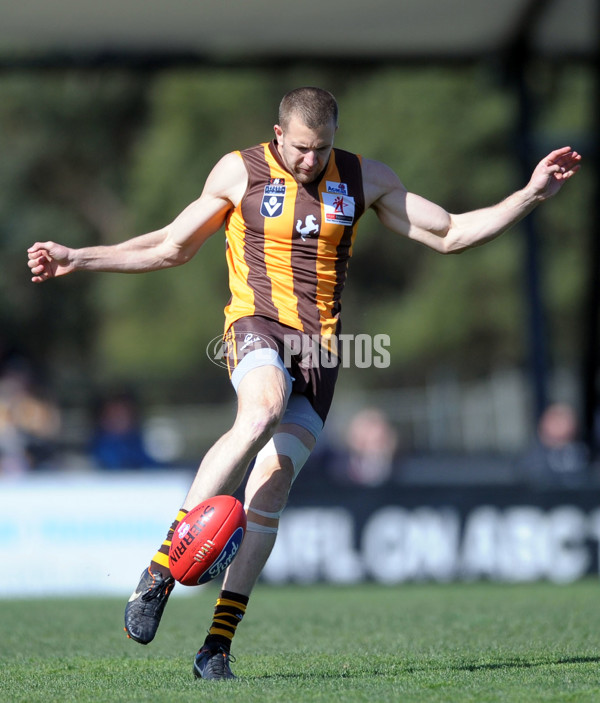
x,y
458,642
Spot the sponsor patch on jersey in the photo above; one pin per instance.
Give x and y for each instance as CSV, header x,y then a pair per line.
x,y
333,187
273,197
338,208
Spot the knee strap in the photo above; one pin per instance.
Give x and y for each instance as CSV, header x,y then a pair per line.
x,y
286,444
264,513
252,526
257,527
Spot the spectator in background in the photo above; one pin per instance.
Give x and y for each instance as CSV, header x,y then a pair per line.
x,y
29,422
370,454
118,440
557,457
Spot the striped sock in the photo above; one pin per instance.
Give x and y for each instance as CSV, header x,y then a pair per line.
x,y
229,611
160,561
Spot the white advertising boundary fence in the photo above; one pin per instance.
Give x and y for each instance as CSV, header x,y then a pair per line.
x,y
92,534
83,534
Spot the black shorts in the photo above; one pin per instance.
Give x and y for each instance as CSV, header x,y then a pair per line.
x,y
313,370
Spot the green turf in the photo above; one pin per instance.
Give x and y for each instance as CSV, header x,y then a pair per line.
x,y
443,643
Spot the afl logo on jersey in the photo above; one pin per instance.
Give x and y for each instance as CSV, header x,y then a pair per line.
x,y
273,197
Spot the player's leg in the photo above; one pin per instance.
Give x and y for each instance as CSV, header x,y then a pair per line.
x,y
272,476
271,480
266,495
262,397
276,467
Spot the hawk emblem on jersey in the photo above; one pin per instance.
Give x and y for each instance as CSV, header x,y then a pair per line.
x,y
309,227
273,197
339,208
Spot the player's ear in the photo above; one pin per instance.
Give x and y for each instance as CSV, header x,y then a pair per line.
x,y
278,133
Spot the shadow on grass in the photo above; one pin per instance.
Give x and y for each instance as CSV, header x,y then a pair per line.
x,y
527,664
399,669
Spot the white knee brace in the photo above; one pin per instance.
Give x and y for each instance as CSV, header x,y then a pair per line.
x,y
285,444
281,444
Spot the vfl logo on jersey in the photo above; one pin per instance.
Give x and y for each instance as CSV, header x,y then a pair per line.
x,y
339,208
273,197
340,188
307,228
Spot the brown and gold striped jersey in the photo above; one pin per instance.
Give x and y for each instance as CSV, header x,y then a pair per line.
x,y
288,244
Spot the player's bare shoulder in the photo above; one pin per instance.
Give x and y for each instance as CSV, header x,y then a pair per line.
x,y
228,179
378,180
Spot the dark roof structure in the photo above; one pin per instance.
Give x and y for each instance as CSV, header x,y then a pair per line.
x,y
260,31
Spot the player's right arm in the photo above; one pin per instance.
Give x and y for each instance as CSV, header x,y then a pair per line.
x,y
423,221
170,246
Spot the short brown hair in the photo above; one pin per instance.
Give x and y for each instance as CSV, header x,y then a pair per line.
x,y
314,106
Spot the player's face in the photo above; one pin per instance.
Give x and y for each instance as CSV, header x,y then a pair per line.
x,y
304,150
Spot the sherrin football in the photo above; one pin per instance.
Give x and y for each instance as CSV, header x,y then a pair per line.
x,y
207,540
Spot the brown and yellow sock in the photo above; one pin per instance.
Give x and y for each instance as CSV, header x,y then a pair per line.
x,y
229,611
160,561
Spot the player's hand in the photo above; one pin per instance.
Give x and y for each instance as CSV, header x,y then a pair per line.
x,y
553,171
48,260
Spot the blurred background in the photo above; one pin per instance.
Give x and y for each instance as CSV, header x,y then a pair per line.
x,y
111,118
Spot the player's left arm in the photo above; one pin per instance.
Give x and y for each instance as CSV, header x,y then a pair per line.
x,y
419,219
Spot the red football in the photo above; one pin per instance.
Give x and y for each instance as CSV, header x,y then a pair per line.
x,y
206,540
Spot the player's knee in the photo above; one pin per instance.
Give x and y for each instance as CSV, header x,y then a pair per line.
x,y
288,450
262,399
258,423
269,417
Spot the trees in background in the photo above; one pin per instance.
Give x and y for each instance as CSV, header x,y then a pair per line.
x,y
97,157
